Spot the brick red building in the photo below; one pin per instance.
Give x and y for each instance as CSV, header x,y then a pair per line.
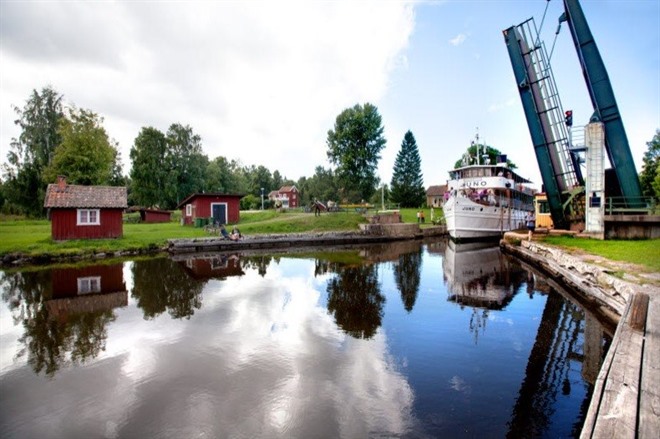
x,y
85,212
224,208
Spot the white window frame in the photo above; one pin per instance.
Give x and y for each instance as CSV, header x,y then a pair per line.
x,y
188,209
83,217
89,285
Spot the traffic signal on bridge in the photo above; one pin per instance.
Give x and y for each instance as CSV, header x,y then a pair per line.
x,y
569,118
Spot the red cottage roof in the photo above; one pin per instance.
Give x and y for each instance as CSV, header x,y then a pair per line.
x,y
74,196
287,188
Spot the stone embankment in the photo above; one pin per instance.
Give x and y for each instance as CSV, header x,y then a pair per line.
x,y
626,398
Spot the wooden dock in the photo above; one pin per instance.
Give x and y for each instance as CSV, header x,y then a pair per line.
x,y
626,398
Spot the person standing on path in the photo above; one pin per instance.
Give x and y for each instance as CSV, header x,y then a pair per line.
x,y
530,222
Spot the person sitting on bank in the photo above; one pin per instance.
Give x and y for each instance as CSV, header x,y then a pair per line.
x,y
226,234
235,234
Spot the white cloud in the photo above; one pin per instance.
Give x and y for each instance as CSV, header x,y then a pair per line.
x,y
458,39
260,81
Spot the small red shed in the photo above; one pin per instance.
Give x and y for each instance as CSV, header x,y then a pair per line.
x,y
155,216
85,212
224,208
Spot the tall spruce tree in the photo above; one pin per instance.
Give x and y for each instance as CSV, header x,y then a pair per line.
x,y
407,186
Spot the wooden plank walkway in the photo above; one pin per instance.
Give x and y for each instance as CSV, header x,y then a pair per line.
x,y
626,398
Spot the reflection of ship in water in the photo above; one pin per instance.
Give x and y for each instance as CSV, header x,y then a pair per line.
x,y
86,290
212,266
478,274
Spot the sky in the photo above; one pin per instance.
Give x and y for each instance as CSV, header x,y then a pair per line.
x,y
262,82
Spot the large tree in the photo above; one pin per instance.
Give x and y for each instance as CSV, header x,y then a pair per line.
x,y
167,168
32,151
259,177
321,186
149,176
225,176
186,162
85,156
354,146
277,180
650,166
470,156
407,186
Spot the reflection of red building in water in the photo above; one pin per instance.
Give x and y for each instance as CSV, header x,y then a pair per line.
x,y
87,289
218,266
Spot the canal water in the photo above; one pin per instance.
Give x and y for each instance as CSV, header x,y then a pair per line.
x,y
405,340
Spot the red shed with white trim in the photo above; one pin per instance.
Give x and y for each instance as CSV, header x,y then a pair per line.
x,y
85,212
224,208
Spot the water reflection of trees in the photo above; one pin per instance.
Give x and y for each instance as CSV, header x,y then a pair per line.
x,y
355,299
161,285
52,339
259,263
407,277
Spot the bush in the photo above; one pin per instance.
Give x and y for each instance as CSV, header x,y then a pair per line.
x,y
250,202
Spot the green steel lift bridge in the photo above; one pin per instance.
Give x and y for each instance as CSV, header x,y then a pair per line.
x,y
548,123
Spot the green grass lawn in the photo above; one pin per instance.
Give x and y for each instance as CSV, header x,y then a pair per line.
x,y
641,252
33,237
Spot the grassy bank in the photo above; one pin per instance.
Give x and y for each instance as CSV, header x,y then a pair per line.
x,y
641,252
32,238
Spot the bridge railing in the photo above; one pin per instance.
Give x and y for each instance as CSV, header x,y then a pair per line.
x,y
631,205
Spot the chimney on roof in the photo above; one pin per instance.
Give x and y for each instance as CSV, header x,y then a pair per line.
x,y
61,182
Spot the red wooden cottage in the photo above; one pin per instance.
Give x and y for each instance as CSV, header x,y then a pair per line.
x,y
223,208
85,212
287,195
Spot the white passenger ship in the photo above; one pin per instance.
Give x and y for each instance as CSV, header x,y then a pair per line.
x,y
484,201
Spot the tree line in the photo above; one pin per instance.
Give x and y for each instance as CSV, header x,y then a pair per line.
x,y
168,166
